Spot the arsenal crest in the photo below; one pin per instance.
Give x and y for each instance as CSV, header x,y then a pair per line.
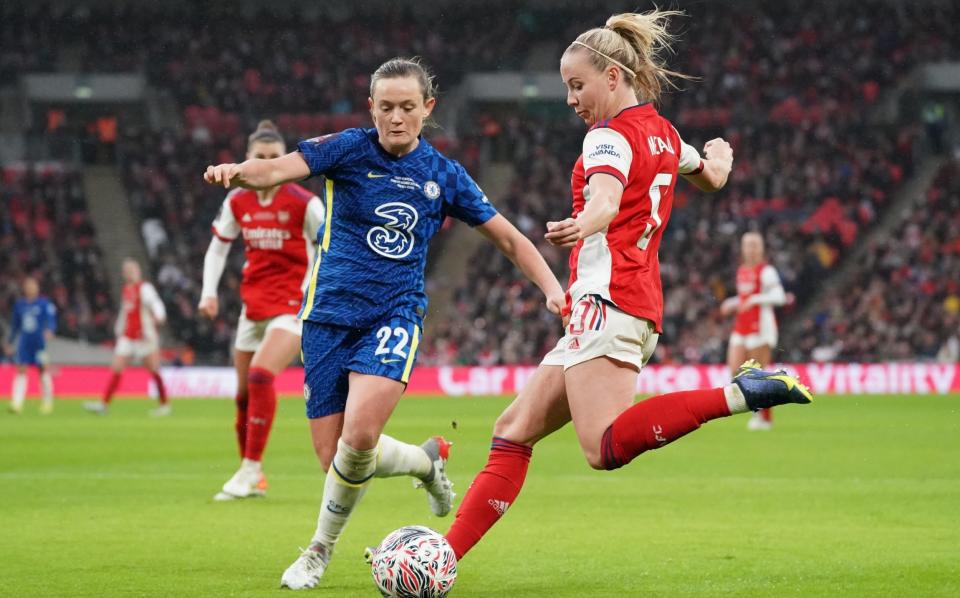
x,y
283,215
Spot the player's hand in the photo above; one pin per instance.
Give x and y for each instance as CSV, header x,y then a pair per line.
x,y
565,233
8,349
556,302
209,307
743,306
222,174
718,149
48,335
729,305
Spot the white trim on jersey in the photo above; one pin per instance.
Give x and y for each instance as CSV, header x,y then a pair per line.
x,y
771,289
150,299
225,224
689,156
604,147
313,221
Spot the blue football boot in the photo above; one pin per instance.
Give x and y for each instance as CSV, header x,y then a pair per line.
x,y
762,388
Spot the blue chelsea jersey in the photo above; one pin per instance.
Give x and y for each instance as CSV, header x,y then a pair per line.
x,y
382,212
31,319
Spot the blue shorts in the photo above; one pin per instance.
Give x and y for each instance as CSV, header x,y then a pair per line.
x,y
330,353
31,352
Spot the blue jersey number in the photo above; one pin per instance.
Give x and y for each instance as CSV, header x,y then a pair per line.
x,y
395,238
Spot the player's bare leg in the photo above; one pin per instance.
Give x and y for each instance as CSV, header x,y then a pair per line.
x,y
763,418
370,402
119,363
18,393
46,386
152,363
539,410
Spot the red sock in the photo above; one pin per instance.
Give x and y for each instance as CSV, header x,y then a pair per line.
x,y
658,421
766,414
161,389
491,493
112,387
240,424
261,409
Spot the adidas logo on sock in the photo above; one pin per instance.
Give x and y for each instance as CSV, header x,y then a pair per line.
x,y
500,506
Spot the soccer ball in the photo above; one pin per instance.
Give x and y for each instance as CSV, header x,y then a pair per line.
x,y
414,562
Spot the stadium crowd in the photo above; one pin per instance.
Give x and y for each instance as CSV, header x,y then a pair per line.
x,y
45,232
812,171
903,300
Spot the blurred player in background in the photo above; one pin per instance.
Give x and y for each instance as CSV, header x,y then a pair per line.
x,y
755,328
141,312
631,159
34,322
387,193
279,229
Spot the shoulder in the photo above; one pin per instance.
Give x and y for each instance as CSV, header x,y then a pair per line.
x,y
238,196
354,136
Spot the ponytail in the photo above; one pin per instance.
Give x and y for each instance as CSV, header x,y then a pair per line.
x,y
635,42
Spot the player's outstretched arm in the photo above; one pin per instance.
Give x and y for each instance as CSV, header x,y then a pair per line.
x,y
519,250
717,164
259,174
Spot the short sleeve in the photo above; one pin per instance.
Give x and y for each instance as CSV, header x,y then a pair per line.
x,y
314,218
469,203
607,151
327,153
225,225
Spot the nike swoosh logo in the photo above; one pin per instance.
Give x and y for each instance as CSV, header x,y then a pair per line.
x,y
371,175
390,360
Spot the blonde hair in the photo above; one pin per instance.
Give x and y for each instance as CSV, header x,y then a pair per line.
x,y
267,132
635,42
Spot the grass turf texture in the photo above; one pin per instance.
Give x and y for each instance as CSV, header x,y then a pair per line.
x,y
853,496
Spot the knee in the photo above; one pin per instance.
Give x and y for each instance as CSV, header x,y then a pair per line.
x,y
360,440
595,460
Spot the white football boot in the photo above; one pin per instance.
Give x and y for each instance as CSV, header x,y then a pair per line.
x,y
306,571
162,411
439,489
248,482
95,407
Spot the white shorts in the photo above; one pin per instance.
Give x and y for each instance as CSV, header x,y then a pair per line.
x,y
135,348
250,333
766,335
598,329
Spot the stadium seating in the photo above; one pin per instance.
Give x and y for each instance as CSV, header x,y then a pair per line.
x,y
45,232
812,170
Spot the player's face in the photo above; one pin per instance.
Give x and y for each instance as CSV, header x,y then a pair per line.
x,y
398,111
751,246
588,89
131,272
265,150
30,288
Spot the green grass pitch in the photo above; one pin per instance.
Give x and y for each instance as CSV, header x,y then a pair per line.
x,y
852,496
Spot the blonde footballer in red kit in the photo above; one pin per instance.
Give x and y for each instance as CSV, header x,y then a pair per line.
x,y
279,230
755,328
141,312
622,197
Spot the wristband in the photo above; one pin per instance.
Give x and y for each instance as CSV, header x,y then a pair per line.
x,y
699,168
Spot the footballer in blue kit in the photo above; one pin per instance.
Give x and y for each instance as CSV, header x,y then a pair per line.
x,y
365,304
34,321
387,192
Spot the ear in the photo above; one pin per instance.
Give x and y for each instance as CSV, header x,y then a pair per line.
x,y
428,106
613,77
370,108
